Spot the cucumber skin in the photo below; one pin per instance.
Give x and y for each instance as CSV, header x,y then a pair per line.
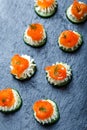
x,y
75,48
52,120
17,108
21,79
47,16
79,22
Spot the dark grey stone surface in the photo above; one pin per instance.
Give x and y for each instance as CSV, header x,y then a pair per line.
x,y
15,15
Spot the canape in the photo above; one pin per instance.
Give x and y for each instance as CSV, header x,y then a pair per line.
x,y
58,74
46,111
70,41
35,35
10,100
77,12
45,8
22,67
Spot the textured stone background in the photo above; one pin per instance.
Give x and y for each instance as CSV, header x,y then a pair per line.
x,y
15,15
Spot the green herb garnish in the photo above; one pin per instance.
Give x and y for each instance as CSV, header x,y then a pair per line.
x,y
32,26
64,35
56,70
42,109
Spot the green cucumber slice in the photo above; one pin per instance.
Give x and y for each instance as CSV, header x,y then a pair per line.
x,y
15,107
29,71
53,119
76,47
35,45
73,19
62,82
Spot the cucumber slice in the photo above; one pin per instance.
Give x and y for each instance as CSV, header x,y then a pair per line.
x,y
16,106
55,116
76,47
28,40
72,18
60,83
29,72
46,12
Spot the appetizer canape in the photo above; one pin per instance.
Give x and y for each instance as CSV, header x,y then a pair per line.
x,y
69,40
58,74
77,12
46,111
10,100
22,67
35,35
45,8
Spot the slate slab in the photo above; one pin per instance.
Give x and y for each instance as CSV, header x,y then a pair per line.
x,y
72,100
